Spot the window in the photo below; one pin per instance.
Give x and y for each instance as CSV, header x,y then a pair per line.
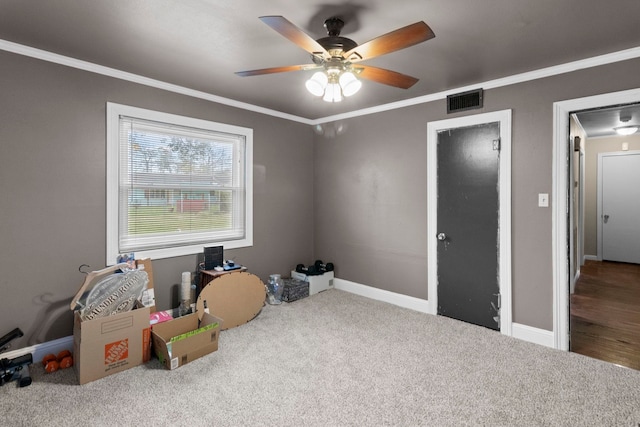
x,y
176,184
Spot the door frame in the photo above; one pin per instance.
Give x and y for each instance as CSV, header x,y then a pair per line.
x,y
504,222
577,252
560,211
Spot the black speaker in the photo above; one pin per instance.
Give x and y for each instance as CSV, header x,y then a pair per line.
x,y
213,257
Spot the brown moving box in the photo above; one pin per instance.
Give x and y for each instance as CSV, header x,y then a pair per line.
x,y
110,344
182,340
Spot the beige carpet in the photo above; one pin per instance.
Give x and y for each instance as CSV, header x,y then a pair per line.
x,y
337,359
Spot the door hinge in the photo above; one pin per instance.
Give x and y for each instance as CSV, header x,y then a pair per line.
x,y
496,144
498,304
497,307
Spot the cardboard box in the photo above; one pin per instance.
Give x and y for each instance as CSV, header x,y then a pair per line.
x,y
182,340
111,344
316,283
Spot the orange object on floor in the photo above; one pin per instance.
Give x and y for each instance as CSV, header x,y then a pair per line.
x,y
52,363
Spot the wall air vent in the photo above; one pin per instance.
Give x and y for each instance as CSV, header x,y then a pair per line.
x,y
464,101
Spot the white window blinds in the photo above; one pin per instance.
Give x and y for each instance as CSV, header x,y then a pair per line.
x,y
179,184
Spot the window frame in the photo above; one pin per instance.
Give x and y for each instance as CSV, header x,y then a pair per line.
x,y
114,111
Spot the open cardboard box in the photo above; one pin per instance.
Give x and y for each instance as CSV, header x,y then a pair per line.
x,y
179,341
110,344
105,345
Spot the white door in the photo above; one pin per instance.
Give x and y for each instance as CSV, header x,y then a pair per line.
x,y
619,213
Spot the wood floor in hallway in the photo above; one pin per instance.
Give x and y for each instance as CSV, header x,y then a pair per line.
x,y
605,313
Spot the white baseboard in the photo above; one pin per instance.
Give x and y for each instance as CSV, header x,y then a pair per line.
x,y
38,351
523,332
405,301
534,335
591,257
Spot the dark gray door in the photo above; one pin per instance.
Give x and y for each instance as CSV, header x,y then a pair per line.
x,y
468,202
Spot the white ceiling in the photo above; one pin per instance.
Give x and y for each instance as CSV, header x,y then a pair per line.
x,y
602,121
199,44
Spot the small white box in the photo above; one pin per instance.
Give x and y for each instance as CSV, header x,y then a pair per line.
x,y
316,283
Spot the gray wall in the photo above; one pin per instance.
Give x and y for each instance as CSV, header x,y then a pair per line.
x,y
52,190
370,189
357,199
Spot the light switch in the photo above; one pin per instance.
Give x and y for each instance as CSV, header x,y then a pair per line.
x,y
543,200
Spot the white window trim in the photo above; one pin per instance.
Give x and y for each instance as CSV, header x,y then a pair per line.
x,y
114,111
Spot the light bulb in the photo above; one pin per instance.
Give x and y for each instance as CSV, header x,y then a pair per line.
x,y
349,83
317,83
626,130
332,93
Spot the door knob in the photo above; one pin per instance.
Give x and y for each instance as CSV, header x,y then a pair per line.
x,y
442,237
606,219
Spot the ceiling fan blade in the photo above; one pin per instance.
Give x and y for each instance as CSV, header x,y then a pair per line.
x,y
277,70
296,35
386,77
390,42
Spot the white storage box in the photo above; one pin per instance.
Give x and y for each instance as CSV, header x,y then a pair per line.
x,y
316,283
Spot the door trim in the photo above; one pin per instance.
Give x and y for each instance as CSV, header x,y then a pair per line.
x,y
504,224
559,206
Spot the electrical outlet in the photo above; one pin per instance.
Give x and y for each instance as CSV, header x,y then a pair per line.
x,y
543,200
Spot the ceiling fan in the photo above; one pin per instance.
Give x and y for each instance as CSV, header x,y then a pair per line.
x,y
338,58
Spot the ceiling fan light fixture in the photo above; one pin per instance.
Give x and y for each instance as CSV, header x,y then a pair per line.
x,y
333,84
332,93
334,54
349,83
317,83
626,130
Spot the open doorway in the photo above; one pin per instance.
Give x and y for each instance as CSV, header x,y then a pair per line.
x,y
604,170
572,243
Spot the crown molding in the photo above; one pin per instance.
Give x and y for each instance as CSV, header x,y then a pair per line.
x,y
568,67
555,70
135,78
